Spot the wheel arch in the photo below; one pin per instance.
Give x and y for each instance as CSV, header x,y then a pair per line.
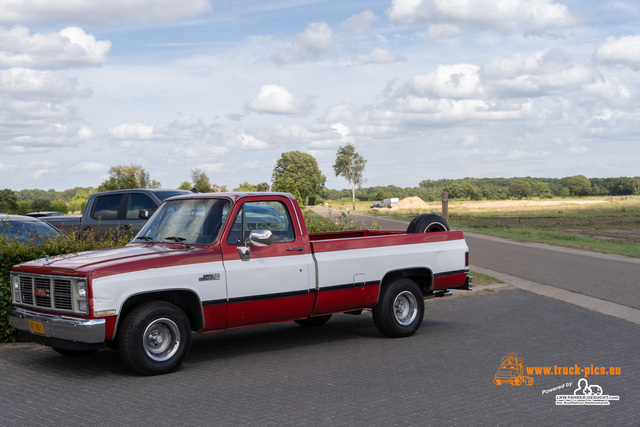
x,y
187,300
422,276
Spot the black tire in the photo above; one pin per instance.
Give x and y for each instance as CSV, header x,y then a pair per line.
x,y
311,322
74,353
400,309
155,338
428,223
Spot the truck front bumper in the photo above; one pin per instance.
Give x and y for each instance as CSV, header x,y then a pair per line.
x,y
56,330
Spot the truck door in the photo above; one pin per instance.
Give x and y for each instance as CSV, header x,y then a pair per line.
x,y
274,282
104,215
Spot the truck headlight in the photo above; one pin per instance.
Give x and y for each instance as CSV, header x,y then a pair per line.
x,y
15,285
82,289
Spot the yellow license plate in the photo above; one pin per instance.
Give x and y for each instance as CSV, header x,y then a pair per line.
x,y
36,327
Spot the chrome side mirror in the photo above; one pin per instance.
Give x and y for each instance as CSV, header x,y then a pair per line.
x,y
261,237
256,238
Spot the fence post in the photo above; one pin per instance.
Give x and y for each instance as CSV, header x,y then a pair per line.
x,y
445,205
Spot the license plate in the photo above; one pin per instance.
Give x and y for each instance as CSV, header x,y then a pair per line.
x,y
36,327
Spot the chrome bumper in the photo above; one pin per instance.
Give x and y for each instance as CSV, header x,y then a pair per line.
x,y
56,326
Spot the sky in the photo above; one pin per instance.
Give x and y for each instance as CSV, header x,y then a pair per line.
x,y
424,89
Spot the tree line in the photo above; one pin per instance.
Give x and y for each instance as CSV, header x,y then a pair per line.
x,y
298,173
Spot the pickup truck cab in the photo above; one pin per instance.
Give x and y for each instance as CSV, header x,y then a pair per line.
x,y
210,262
114,211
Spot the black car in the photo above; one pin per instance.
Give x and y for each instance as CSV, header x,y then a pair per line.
x,y
26,229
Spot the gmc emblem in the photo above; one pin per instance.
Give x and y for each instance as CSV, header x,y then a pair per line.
x,y
41,293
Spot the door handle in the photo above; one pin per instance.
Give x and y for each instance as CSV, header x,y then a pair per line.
x,y
295,249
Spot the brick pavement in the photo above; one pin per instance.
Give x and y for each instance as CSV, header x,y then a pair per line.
x,y
344,373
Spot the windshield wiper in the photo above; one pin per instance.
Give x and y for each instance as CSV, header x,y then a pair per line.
x,y
145,238
180,240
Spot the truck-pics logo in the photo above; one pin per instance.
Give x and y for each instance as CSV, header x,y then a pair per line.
x,y
512,371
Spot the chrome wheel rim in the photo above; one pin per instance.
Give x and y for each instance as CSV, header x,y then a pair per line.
x,y
405,308
161,339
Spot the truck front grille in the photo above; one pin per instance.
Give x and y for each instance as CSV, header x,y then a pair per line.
x,y
47,292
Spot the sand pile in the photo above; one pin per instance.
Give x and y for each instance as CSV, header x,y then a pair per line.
x,y
410,204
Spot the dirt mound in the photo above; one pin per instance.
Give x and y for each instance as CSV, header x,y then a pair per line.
x,y
410,204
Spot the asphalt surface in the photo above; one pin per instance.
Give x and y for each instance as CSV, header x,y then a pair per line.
x,y
346,373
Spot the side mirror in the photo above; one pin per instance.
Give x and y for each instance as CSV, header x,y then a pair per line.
x,y
144,214
256,238
261,237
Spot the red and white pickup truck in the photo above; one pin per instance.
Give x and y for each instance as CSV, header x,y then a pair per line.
x,y
210,262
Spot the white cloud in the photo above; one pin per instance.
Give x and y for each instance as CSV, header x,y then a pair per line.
x,y
620,50
316,41
449,81
273,99
443,31
26,84
131,131
535,75
88,167
89,12
248,142
71,47
34,112
533,16
378,56
360,23
4,167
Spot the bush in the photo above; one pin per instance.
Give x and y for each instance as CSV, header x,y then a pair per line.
x,y
317,224
13,252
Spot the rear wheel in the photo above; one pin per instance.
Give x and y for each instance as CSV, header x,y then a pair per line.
x,y
400,309
155,338
313,321
427,223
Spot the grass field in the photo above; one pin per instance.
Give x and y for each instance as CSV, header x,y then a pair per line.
x,y
603,224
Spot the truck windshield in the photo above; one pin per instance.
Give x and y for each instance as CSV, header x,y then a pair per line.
x,y
187,221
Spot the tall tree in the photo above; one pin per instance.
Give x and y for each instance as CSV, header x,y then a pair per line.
x,y
350,165
200,181
8,201
302,169
579,185
128,176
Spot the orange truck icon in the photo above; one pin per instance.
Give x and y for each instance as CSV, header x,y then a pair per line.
x,y
512,371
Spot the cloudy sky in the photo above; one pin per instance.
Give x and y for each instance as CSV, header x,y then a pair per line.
x,y
425,89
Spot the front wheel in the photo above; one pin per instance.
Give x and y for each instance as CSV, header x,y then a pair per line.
x,y
400,309
155,338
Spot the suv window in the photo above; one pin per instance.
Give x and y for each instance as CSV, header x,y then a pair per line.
x,y
107,207
137,202
262,216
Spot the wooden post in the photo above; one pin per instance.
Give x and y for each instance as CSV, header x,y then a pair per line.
x,y
445,205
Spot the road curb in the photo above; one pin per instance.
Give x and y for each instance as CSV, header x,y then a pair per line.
x,y
594,304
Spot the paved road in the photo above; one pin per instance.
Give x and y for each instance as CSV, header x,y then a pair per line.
x,y
346,373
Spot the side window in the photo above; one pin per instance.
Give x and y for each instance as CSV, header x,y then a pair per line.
x,y
137,202
107,207
262,216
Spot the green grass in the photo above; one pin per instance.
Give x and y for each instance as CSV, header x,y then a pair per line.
x,y
601,224
557,238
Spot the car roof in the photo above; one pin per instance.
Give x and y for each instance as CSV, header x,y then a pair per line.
x,y
19,218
